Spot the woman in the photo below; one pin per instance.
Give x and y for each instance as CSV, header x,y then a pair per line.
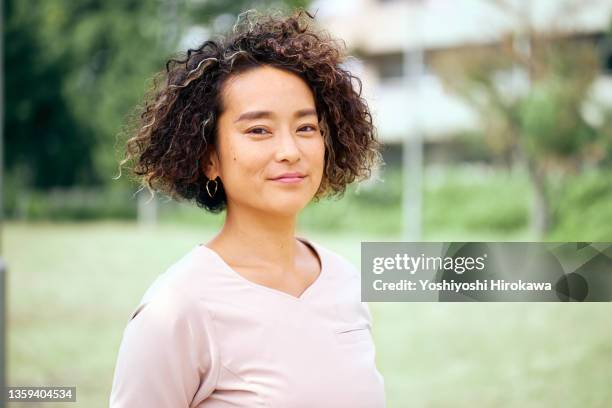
x,y
257,124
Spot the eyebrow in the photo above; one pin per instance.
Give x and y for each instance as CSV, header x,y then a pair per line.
x,y
267,114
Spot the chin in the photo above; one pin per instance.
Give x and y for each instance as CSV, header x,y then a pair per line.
x,y
287,207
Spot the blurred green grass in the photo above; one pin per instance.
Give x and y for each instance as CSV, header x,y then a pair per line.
x,y
72,286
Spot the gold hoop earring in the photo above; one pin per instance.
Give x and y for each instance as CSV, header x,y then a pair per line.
x,y
208,190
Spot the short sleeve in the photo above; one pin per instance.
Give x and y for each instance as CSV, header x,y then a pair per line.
x,y
167,357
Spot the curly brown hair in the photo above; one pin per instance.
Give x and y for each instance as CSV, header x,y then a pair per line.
x,y
176,128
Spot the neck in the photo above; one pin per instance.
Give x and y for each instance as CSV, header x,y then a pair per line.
x,y
260,238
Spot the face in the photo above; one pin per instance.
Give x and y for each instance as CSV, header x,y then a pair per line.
x,y
270,151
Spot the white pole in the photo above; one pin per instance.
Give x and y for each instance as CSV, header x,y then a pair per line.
x,y
412,153
147,208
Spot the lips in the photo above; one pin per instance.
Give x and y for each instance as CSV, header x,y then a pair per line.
x,y
289,176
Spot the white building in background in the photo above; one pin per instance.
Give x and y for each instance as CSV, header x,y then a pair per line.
x,y
397,38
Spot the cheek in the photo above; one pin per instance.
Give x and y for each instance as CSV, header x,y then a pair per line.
x,y
241,161
317,154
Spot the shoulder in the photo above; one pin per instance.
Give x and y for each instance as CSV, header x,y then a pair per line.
x,y
172,290
170,331
169,315
336,261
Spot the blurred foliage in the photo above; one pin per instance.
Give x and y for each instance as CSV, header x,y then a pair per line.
x,y
75,204
73,70
552,123
584,209
76,69
476,199
531,91
460,201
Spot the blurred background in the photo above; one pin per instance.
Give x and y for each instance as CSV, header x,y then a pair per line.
x,y
496,118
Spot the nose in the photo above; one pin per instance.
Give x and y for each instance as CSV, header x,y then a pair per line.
x,y
287,148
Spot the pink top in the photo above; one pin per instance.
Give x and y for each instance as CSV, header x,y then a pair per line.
x,y
205,336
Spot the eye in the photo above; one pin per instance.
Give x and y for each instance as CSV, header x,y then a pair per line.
x,y
258,131
307,128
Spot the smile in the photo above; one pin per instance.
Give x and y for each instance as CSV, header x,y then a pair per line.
x,y
289,180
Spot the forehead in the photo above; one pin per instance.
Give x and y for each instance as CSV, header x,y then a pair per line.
x,y
266,88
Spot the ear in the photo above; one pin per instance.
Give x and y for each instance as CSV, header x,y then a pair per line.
x,y
210,164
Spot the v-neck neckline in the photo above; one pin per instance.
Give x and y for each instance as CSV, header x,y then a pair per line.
x,y
269,289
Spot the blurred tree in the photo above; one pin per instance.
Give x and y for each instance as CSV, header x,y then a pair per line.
x,y
604,108
530,91
74,71
45,144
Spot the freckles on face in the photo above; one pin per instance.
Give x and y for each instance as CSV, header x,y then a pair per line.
x,y
269,139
